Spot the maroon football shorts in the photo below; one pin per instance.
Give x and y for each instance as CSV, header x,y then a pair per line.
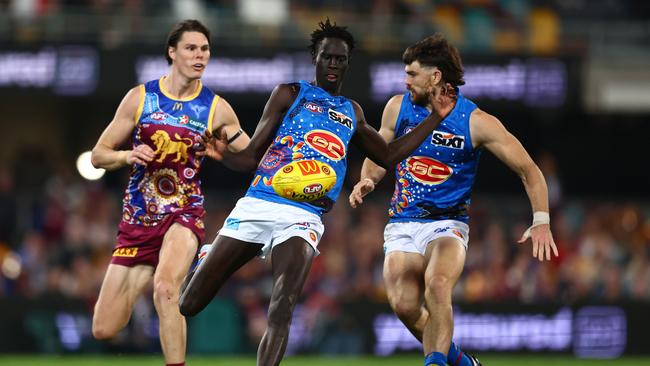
x,y
137,244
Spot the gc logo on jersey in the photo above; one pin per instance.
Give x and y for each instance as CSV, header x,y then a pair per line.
x,y
428,171
339,117
447,139
326,143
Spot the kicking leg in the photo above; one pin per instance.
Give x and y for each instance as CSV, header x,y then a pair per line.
x,y
226,256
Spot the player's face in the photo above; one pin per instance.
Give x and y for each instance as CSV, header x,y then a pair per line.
x,y
331,63
418,82
191,54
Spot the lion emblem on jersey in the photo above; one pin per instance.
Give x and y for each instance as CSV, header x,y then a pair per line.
x,y
166,146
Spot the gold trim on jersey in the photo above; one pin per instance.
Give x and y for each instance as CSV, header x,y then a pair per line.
x,y
138,112
213,108
169,95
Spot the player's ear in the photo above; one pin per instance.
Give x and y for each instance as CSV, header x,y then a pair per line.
x,y
436,76
171,51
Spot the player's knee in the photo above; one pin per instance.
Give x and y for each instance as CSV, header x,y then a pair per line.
x,y
165,292
101,331
407,310
280,310
438,288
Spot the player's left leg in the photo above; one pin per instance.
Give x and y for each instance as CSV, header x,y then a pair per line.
x,y
445,259
291,262
176,255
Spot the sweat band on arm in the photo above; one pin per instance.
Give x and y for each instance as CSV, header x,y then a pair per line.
x,y
235,136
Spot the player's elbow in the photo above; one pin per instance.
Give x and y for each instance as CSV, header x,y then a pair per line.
x,y
95,159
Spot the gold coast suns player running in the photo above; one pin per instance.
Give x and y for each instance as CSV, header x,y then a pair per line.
x,y
427,234
302,122
163,205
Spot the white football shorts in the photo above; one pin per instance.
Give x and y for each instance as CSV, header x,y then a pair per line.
x,y
269,223
413,237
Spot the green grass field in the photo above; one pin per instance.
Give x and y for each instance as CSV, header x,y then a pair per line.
x,y
488,360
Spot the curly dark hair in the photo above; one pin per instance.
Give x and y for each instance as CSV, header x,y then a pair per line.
x,y
436,51
328,29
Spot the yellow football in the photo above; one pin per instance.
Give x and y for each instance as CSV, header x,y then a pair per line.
x,y
304,180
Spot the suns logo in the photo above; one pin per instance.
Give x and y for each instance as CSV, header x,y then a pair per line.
x,y
326,143
428,171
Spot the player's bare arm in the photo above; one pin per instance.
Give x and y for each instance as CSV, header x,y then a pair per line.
x,y
276,107
487,131
387,155
105,154
226,133
372,173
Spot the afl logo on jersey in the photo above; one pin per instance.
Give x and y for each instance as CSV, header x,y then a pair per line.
x,y
339,117
158,116
326,143
313,107
447,139
428,171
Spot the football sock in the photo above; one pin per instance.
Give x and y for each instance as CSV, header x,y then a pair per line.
x,y
176,364
435,358
456,357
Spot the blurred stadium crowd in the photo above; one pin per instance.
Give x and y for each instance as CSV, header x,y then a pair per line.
x,y
502,26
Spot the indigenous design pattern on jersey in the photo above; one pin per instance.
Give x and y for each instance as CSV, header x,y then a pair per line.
x,y
170,182
318,126
435,181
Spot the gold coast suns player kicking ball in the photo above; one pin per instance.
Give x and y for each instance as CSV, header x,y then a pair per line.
x,y
163,205
304,132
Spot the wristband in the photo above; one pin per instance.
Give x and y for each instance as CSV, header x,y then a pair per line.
x,y
539,218
235,136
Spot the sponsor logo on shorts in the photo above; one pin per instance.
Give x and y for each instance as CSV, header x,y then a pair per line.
x,y
339,117
232,223
125,252
199,224
457,233
441,230
446,139
312,236
313,107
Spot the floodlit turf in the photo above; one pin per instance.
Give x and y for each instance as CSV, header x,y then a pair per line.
x,y
488,360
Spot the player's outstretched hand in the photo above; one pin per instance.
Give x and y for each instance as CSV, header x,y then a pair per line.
x,y
361,189
141,154
542,239
210,145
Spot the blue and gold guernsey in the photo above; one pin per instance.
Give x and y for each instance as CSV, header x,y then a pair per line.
x,y
318,126
169,184
435,181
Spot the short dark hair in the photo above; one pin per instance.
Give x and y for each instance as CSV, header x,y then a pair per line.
x,y
188,25
436,51
328,29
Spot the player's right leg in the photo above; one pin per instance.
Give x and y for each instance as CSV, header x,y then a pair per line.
x,y
226,256
403,278
121,287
